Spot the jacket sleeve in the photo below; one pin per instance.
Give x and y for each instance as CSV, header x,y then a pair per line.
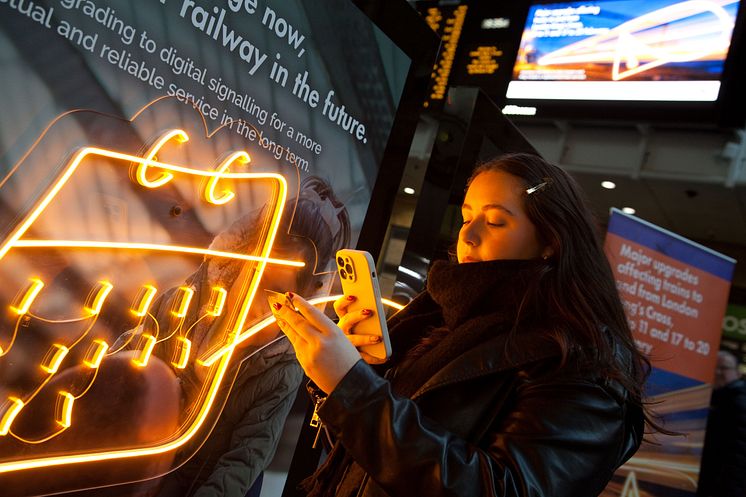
x,y
561,438
265,401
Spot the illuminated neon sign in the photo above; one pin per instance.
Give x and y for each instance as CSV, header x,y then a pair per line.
x,y
165,318
227,307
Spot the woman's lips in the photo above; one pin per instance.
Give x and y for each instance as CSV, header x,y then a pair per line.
x,y
470,259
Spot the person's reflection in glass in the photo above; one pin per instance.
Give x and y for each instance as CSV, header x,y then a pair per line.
x,y
243,441
245,437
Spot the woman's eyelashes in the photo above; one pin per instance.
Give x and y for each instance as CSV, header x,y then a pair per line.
x,y
495,224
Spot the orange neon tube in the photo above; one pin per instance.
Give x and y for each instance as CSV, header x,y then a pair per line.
x,y
238,318
28,297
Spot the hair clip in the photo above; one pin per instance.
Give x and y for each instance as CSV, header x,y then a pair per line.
x,y
538,187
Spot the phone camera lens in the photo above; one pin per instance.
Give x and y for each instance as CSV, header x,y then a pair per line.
x,y
348,268
340,262
343,274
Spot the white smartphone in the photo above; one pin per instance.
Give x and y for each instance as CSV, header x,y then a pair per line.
x,y
357,271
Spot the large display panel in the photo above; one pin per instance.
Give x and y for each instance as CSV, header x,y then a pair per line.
x,y
161,163
479,43
662,55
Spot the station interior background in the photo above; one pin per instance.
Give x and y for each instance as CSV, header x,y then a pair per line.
x,y
678,165
678,168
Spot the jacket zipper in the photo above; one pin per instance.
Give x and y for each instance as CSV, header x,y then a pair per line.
x,y
316,421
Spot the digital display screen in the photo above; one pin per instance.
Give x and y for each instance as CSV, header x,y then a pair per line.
x,y
447,22
624,50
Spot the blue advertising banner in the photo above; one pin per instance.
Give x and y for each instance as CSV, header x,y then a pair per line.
x,y
675,292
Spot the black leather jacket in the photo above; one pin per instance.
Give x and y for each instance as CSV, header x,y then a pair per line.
x,y
484,427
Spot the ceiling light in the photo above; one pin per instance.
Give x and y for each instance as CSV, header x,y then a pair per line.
x,y
518,110
628,210
409,191
609,185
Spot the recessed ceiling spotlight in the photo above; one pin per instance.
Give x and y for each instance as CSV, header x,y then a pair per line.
x,y
609,185
628,210
409,191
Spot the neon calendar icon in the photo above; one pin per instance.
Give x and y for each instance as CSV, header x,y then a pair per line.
x,y
100,315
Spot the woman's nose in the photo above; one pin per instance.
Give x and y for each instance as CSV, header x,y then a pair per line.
x,y
469,233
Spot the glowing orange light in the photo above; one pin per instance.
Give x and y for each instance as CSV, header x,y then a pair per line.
x,y
227,195
54,357
144,299
95,353
217,301
13,239
389,303
181,354
64,408
165,176
183,306
236,319
155,247
32,290
213,355
12,407
147,342
99,296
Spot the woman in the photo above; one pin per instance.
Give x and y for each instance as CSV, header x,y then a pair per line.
x,y
514,374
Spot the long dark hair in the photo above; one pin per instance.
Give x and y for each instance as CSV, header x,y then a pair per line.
x,y
576,288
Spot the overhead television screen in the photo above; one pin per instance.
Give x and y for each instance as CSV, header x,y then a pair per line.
x,y
162,163
624,50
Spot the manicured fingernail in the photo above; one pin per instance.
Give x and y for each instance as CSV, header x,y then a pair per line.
x,y
367,312
375,339
290,295
351,298
277,306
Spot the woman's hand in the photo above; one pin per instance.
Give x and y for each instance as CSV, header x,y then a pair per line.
x,y
347,322
321,347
